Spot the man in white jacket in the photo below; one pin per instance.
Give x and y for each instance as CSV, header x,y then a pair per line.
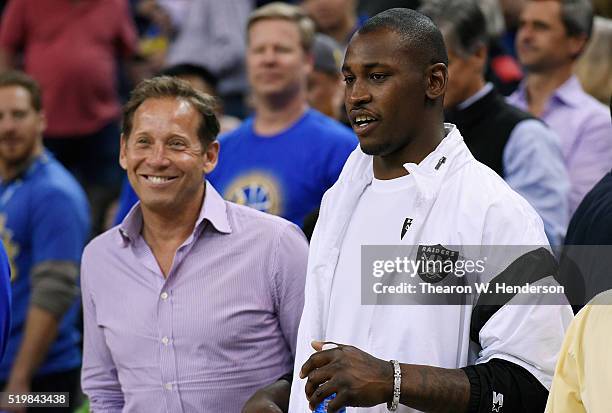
x,y
413,183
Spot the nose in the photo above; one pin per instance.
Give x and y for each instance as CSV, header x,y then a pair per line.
x,y
158,157
7,124
524,32
357,94
268,56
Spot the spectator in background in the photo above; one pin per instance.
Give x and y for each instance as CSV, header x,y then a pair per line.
x,y
551,36
178,11
44,224
502,69
287,155
155,33
202,80
511,10
336,18
520,148
587,255
594,67
213,36
325,86
71,48
193,302
5,300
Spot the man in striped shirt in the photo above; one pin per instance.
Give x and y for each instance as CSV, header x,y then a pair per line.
x,y
192,303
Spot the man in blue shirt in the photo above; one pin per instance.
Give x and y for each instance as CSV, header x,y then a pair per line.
x,y
44,223
521,149
287,155
5,300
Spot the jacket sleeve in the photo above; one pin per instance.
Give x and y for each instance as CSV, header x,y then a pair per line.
x,y
517,337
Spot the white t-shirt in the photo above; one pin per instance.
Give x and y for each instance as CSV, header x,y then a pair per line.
x,y
425,332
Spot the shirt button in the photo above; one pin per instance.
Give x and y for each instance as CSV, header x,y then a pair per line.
x,y
165,340
164,296
168,386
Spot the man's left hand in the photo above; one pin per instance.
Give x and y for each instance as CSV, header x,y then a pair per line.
x,y
357,378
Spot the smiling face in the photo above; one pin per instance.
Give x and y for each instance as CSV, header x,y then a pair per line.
x,y
21,127
385,92
163,156
276,61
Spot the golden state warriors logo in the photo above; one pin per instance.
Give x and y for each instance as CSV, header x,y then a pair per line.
x,y
11,248
257,190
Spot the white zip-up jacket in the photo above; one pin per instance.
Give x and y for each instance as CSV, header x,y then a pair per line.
x,y
459,201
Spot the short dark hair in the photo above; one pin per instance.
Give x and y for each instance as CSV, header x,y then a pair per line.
x,y
462,21
172,87
417,32
16,78
577,17
189,69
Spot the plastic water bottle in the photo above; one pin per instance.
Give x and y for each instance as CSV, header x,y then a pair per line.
x,y
322,407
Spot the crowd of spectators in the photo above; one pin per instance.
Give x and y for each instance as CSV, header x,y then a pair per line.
x,y
529,89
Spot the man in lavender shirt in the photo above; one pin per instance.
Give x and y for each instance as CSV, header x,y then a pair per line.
x,y
551,35
192,303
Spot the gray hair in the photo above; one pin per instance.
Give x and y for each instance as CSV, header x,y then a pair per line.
x,y
494,16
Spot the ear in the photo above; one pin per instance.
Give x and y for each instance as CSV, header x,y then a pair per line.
x,y
122,152
42,123
577,44
436,77
308,62
211,156
480,58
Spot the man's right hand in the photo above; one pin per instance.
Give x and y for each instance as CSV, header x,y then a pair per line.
x,y
271,399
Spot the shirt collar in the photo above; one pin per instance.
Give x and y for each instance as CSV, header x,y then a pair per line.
x,y
568,91
30,167
476,96
520,94
213,210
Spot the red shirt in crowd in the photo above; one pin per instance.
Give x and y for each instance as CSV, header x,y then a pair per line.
x,y
71,48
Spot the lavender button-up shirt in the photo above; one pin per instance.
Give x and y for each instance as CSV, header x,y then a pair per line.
x,y
221,325
585,132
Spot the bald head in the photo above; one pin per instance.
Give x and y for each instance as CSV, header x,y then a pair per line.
x,y
419,36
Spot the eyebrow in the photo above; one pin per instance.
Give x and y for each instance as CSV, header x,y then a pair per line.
x,y
368,66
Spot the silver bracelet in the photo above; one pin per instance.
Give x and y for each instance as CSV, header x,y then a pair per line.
x,y
397,385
